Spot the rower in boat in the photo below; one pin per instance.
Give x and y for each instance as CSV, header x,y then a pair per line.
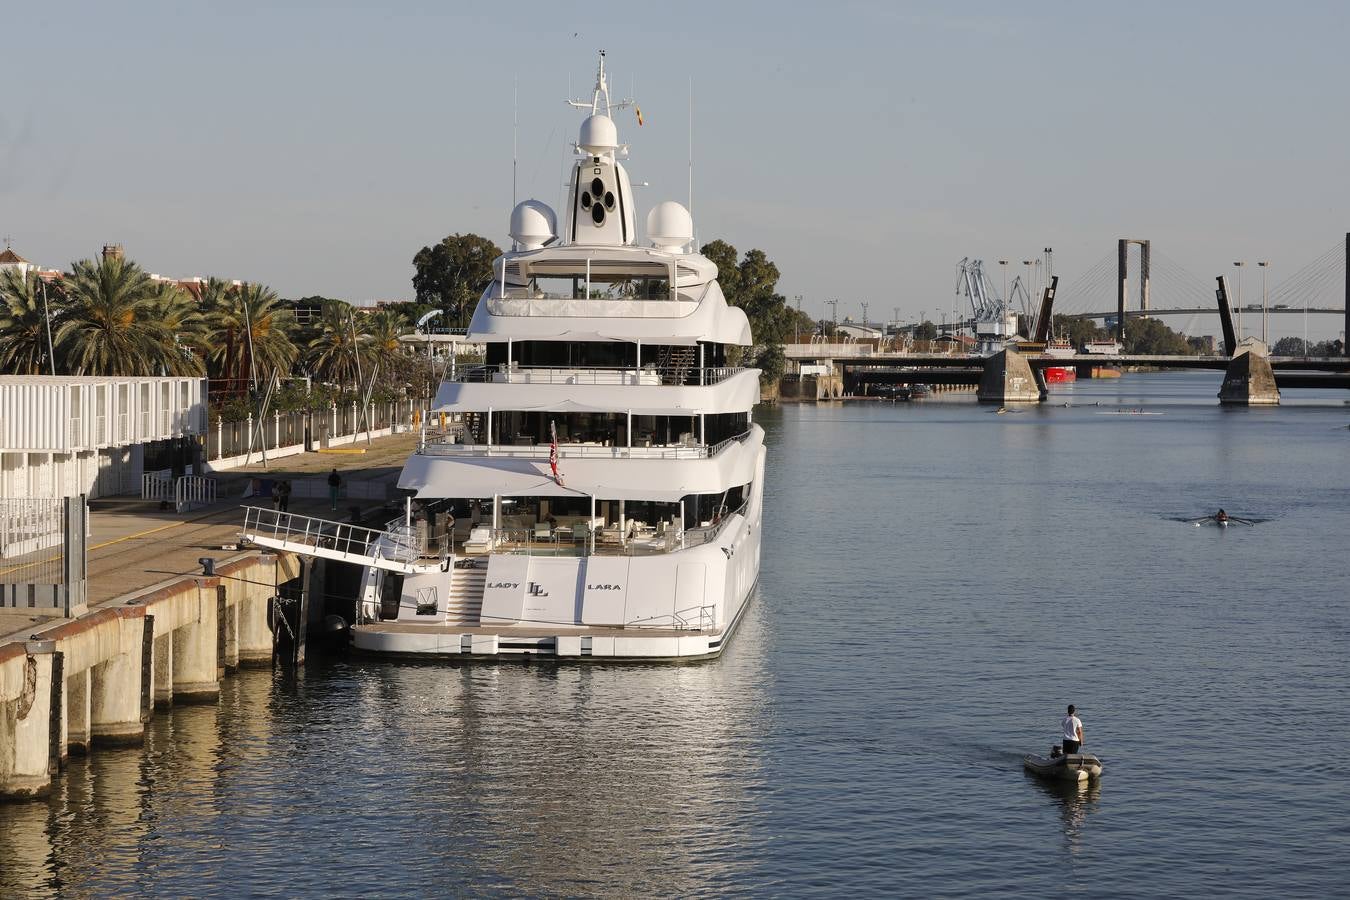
x,y
1221,518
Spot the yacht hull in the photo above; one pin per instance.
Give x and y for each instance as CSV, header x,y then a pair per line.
x,y
681,605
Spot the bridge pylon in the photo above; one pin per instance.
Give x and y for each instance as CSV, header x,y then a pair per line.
x,y
1123,283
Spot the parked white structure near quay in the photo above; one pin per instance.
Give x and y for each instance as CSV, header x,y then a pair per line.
x,y
61,436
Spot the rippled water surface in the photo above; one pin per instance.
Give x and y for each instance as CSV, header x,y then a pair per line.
x,y
938,582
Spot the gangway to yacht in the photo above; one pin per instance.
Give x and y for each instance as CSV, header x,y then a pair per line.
x,y
392,550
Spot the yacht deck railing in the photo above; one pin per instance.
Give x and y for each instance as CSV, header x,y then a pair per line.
x,y
581,451
652,376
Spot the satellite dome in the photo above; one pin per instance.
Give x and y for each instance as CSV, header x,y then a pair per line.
x,y
533,224
669,226
598,135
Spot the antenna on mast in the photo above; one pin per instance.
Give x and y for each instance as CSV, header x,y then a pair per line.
x,y
515,134
691,151
601,93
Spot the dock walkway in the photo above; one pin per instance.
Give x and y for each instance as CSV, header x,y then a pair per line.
x,y
135,547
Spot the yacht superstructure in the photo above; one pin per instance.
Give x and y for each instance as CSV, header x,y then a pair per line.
x,y
604,498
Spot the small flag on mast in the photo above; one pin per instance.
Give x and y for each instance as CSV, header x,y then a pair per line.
x,y
639,114
553,451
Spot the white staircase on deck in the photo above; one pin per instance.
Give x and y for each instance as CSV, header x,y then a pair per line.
x,y
464,605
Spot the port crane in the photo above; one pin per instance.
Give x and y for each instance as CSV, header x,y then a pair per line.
x,y
992,319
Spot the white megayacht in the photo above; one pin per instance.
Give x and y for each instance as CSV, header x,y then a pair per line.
x,y
606,499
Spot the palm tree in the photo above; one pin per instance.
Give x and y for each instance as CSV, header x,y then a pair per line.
x,y
24,329
333,350
177,311
247,329
384,328
108,327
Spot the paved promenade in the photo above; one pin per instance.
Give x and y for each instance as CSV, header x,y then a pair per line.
x,y
135,546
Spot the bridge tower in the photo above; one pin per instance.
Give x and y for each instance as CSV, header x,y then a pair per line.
x,y
1122,283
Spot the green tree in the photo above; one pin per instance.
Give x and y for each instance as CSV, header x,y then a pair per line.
x,y
926,331
1151,336
750,284
452,274
332,352
23,323
249,332
179,313
383,328
1078,331
1289,346
109,327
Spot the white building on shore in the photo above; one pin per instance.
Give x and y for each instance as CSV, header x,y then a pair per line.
x,y
61,436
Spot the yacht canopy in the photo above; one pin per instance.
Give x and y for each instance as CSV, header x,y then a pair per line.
x,y
698,311
738,393
662,480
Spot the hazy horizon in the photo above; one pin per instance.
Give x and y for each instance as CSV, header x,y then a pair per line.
x,y
865,148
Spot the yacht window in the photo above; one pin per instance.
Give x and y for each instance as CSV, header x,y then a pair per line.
x,y
597,187
609,199
585,200
598,213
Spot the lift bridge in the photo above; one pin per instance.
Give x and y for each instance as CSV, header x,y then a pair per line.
x,y
1015,373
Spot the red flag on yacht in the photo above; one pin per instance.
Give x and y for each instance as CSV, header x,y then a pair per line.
x,y
553,451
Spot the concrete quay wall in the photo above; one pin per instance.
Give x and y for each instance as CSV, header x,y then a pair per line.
x,y
96,680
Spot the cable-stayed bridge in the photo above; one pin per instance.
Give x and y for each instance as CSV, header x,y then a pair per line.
x,y
1138,280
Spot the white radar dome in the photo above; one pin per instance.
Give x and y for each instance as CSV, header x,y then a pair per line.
x,y
669,226
533,224
598,135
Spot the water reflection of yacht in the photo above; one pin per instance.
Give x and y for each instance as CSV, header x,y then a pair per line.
x,y
606,500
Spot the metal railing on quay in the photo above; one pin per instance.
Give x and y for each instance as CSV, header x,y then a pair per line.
x,y
28,525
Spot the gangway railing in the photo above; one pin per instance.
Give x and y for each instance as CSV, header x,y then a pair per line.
x,y
326,539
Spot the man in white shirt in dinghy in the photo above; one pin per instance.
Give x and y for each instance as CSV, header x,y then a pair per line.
x,y
1071,728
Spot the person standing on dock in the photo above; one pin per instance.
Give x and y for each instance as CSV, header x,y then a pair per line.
x,y
285,489
1072,728
334,483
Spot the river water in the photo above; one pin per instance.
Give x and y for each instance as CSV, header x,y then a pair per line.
x,y
938,581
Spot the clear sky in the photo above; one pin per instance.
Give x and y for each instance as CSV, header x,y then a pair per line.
x,y
866,147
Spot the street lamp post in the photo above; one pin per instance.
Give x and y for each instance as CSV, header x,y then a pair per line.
x,y
1242,334
1265,310
1028,263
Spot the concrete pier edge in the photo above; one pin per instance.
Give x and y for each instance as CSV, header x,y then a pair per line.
x,y
95,681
